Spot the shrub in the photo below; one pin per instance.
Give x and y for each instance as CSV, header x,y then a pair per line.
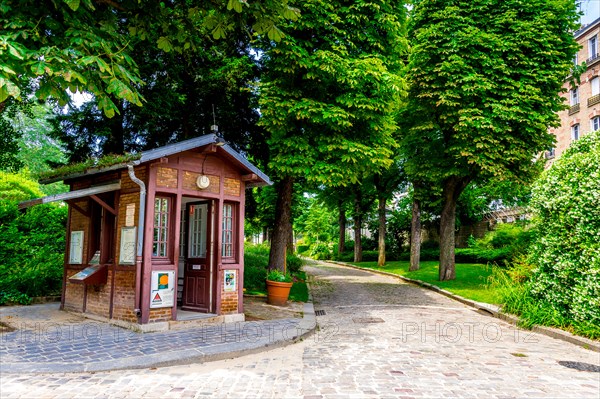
x,y
13,296
512,286
513,236
322,251
31,254
302,248
294,263
256,266
17,187
255,269
566,244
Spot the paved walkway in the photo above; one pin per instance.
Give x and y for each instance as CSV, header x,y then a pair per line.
x,y
49,340
377,338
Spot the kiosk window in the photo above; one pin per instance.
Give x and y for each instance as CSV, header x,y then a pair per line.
x,y
161,227
227,246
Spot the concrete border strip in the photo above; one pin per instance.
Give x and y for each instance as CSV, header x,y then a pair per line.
x,y
488,309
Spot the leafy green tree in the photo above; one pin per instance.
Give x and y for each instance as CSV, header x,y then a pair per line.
x,y
566,243
9,141
316,223
478,200
63,47
17,187
485,78
338,199
36,149
217,76
58,47
328,97
386,184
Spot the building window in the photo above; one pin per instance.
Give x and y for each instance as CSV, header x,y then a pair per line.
x,y
575,132
595,82
161,227
227,246
593,47
576,60
595,123
574,96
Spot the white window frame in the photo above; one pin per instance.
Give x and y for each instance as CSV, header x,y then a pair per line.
x,y
595,84
595,123
593,46
574,96
161,227
576,60
575,132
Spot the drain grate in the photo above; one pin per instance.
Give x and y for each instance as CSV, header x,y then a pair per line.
x,y
319,313
368,320
580,366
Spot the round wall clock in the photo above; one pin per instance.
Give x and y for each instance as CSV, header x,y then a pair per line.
x,y
202,182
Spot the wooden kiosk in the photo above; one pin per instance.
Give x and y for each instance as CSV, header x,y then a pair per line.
x,y
151,240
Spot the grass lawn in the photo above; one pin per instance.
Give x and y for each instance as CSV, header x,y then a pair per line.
x,y
471,278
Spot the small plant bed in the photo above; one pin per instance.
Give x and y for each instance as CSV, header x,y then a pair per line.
x,y
471,278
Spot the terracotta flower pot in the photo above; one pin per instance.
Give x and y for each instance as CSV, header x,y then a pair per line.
x,y
277,292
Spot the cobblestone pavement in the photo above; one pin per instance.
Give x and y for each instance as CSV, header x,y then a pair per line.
x,y
378,338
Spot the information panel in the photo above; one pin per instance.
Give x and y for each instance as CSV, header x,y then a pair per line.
x,y
127,248
162,289
76,248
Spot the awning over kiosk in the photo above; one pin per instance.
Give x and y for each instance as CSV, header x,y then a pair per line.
x,y
72,194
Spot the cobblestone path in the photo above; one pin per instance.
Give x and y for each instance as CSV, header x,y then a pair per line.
x,y
377,338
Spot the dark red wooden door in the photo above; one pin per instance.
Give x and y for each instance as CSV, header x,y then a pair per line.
x,y
197,274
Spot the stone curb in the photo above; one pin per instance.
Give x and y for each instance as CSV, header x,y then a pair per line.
x,y
228,350
488,309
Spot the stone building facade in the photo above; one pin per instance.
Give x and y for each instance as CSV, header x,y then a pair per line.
x,y
583,115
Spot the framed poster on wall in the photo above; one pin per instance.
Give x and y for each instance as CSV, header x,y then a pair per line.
x,y
127,247
162,291
230,281
76,247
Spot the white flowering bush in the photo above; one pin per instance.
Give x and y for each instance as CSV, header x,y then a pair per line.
x,y
566,247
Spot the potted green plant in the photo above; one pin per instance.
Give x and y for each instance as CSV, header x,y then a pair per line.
x,y
278,287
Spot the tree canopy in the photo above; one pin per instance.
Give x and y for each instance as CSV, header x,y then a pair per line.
x,y
485,78
328,98
57,47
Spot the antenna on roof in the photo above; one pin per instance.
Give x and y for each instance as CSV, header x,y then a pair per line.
x,y
214,128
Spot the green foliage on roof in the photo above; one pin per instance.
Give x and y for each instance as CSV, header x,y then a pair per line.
x,y
103,162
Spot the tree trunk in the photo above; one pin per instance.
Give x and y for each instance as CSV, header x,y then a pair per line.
x,y
357,228
283,216
381,246
415,236
290,244
342,224
453,187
